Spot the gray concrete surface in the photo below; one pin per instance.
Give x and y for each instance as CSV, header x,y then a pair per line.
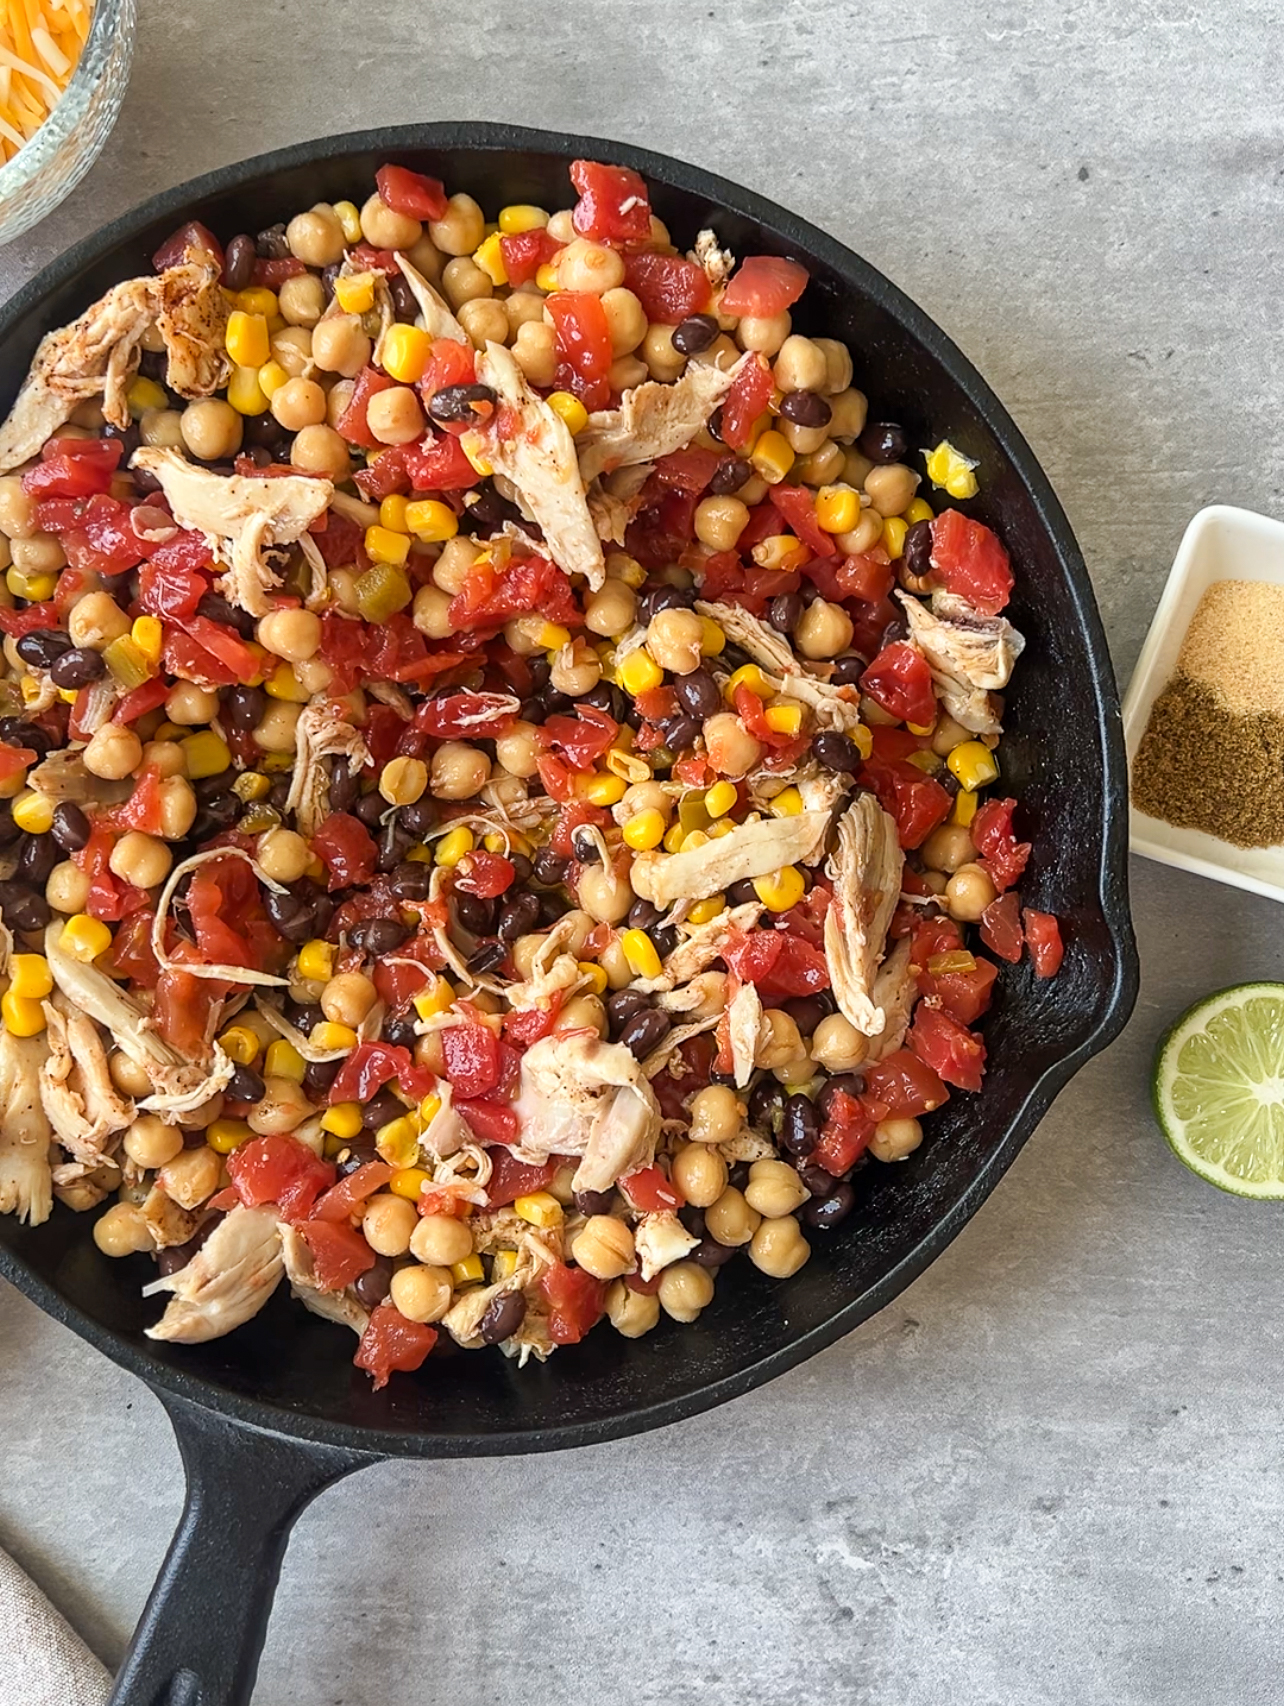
x,y
1049,1473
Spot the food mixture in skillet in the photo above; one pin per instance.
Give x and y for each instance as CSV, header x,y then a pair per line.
x,y
499,770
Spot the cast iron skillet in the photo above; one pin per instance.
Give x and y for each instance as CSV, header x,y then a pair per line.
x,y
268,1417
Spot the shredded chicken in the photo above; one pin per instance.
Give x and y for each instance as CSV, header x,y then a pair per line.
x,y
80,1101
169,1223
340,1306
63,776
833,707
242,516
191,314
970,656
744,1030
866,872
26,1186
702,945
581,1096
653,420
445,1135
227,1281
320,734
703,998
434,310
537,454
718,263
554,969
895,990
662,1054
660,1240
751,850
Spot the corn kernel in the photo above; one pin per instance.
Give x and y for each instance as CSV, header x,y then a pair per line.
x,y
644,830
429,1108
640,672
541,1208
68,695
780,551
721,798
473,446
694,838
283,1060
33,812
640,952
355,293
246,339
343,1119
252,785
349,217
784,719
127,661
602,790
148,635
521,216
84,938
949,468
453,845
257,299
837,509
546,278
570,409
207,754
705,911
397,1141
552,637
408,1182
712,639
503,1265
673,838
405,353
145,394
469,1271
271,378
593,975
22,1016
781,890
788,803
861,739
385,546
490,258
965,808
919,510
392,513
631,572
329,1036
894,531
316,960
431,520
283,683
225,1135
30,977
240,1044
750,676
33,587
973,764
772,456
924,760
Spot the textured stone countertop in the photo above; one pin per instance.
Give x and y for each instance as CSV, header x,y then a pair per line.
x,y
1048,1474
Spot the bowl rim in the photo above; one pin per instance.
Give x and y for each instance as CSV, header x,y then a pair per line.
x,y
1111,884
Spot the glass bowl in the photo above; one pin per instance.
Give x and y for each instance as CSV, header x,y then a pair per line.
x,y
46,170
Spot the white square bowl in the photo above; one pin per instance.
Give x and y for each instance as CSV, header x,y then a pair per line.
x,y
1221,543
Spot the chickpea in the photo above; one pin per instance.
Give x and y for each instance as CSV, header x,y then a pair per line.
x,y
731,1220
615,963
128,1076
604,1248
316,237
802,439
800,365
518,749
935,882
604,894
611,609
674,639
968,893
67,890
122,1231
281,1108
451,570
894,1140
837,1045
948,734
535,351
422,1293
386,229
395,416
299,403
40,554
626,372
700,1174
891,488
590,267
438,1240
17,508
715,1115
458,771
190,705
524,306
462,280
732,750
292,349
294,635
114,752
177,804
720,521
856,469
820,467
485,321
348,997
192,1175
561,226
778,1248
630,1312
847,421
782,1042
576,670
774,1189
389,1223
150,1142
824,630
340,346
96,620
403,781
523,953
582,1013
685,1289
430,612
663,361
276,730
867,531
426,258
838,365
211,429
625,318
948,847
301,300
320,450
766,334
283,855
460,229
721,353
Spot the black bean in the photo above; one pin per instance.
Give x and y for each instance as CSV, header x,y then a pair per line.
x,y
584,846
304,1015
418,818
698,693
270,244
404,305
214,817
805,409
370,809
318,1076
521,870
681,733
41,648
645,1030
824,1212
378,936
475,914
246,1085
130,438
766,1105
665,940
916,553
836,752
37,856
622,1004
503,1317
154,364
817,1180
807,1011
488,956
238,262
692,1219
245,707
694,334
730,474
549,867
741,892
714,424
800,1129
322,913
70,827
461,403
658,598
552,906
394,844
209,788
290,915
77,667
846,1083
217,608
410,881
382,1107
400,1032
491,511
9,830
371,1287
594,1202
883,441
785,612
848,670
24,910
16,731
738,1175
609,698
710,1254
177,1256
265,432
642,915
278,794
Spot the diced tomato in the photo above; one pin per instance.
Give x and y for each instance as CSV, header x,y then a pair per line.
x,y
669,287
449,363
272,274
181,656
954,1053
527,1025
749,395
131,949
184,1004
352,423
103,539
753,714
900,681
491,1121
662,529
142,810
965,995
917,802
526,252
109,898
338,540
1043,938
764,286
476,716
372,1065
223,891
844,1137
530,583
438,465
77,475
510,1178
398,983
1002,855
394,651
572,816
186,551
779,964
173,251
281,1170
347,850
690,470
471,1055
485,874
19,622
971,561
575,1300
140,700
346,1197
391,1344
798,506
411,193
614,206
1001,927
932,936
583,738
901,1086
869,623
170,591
384,477
370,259
650,1192
14,760
584,353
339,1253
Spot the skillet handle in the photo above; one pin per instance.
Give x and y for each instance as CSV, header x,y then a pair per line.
x,y
202,1630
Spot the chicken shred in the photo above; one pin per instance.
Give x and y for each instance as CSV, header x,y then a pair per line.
x,y
660,1240
717,263
26,1184
191,315
895,989
320,734
168,1222
866,873
971,656
80,1101
434,310
744,1029
701,946
751,850
833,707
581,1096
227,1281
653,419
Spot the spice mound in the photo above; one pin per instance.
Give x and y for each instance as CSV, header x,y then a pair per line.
x,y
1212,756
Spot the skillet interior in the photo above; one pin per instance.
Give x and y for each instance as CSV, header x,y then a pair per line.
x,y
1063,757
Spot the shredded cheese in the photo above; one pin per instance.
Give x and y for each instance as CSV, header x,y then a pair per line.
x,y
40,46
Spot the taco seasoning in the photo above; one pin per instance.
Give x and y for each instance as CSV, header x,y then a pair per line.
x,y
1212,756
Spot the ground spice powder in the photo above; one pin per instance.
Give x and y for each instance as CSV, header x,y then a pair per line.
x,y
1212,756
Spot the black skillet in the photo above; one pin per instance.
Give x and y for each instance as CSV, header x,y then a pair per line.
x,y
268,1417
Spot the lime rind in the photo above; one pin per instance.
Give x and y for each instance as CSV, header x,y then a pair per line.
x,y
1218,1089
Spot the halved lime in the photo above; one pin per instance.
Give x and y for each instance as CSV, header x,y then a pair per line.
x,y
1219,1089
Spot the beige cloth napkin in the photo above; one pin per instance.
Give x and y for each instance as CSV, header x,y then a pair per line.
x,y
43,1662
